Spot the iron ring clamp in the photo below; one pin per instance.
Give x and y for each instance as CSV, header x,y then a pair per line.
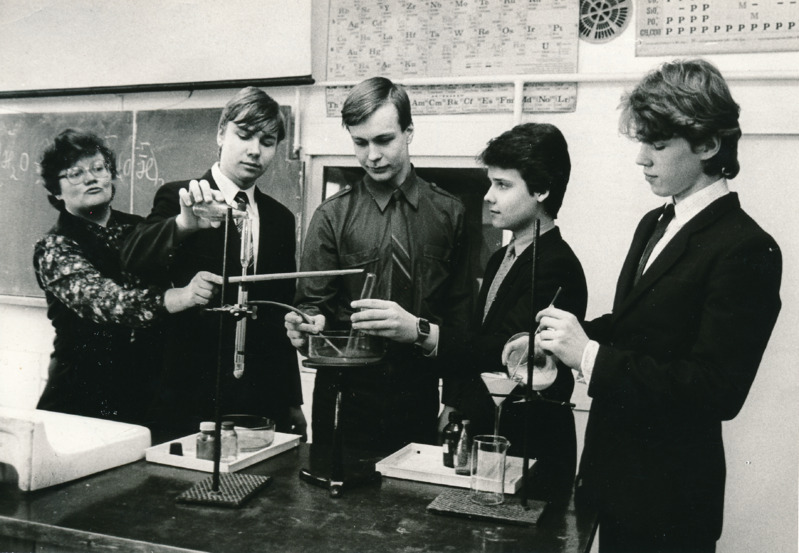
x,y
241,311
246,308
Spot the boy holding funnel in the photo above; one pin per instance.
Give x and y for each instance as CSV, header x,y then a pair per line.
x,y
528,168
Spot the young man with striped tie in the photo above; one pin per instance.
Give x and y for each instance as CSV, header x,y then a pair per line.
x,y
411,234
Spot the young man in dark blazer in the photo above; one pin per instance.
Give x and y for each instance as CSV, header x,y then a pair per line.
x,y
691,318
528,168
174,243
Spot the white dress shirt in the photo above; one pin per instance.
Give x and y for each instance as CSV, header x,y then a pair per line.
x,y
229,190
684,210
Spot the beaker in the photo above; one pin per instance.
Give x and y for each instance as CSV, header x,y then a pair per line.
x,y
488,469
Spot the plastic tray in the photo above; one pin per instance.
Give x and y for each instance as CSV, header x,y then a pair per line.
x,y
423,463
160,454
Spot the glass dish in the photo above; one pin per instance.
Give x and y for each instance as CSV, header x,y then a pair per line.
x,y
345,348
253,432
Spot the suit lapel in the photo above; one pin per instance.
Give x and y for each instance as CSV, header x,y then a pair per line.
x,y
673,251
640,238
263,226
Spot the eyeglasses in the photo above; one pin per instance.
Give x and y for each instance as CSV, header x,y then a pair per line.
x,y
77,174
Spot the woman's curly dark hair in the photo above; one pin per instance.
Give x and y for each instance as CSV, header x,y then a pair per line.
x,y
67,148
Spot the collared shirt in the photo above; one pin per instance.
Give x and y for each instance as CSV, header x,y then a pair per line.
x,y
520,242
502,272
684,211
352,230
381,193
229,190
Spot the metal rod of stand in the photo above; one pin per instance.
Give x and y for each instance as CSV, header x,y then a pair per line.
x,y
530,362
218,390
296,274
337,460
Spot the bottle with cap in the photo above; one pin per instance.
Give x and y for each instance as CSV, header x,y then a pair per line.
x,y
463,451
206,440
230,445
450,435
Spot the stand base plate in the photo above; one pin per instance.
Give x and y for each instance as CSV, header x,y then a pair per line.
x,y
336,487
457,503
234,490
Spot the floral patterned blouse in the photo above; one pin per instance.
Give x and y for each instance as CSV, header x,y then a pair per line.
x,y
63,270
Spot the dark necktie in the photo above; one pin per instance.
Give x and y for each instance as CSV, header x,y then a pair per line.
x,y
401,264
242,201
660,228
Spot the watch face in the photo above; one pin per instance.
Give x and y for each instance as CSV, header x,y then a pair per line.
x,y
424,327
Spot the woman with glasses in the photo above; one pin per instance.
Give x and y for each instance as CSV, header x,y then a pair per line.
x,y
107,343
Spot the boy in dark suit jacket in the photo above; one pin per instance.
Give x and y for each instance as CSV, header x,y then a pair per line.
x,y
696,301
174,243
528,168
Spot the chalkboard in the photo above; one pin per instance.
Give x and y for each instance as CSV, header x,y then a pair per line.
x,y
162,146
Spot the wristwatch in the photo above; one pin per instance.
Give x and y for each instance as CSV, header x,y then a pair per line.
x,y
422,330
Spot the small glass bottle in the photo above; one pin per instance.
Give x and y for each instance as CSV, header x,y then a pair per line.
x,y
206,440
450,435
463,451
230,443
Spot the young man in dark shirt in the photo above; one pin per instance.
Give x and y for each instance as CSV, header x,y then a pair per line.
x,y
408,232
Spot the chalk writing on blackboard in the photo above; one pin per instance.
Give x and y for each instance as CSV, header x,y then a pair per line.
x,y
147,165
162,146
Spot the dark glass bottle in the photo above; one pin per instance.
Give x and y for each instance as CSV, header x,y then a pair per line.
x,y
451,434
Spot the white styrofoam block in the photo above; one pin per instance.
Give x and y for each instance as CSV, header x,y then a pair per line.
x,y
48,448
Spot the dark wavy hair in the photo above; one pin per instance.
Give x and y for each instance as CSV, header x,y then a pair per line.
x,y
688,99
254,110
538,151
370,95
70,146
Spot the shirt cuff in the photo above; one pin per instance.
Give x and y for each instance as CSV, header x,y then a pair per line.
x,y
587,362
430,346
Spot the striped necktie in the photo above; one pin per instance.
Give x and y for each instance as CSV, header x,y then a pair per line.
x,y
660,229
242,201
502,272
401,262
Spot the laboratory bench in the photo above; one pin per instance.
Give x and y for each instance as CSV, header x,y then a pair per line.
x,y
134,508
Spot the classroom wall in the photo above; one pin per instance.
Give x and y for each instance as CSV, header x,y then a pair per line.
x,y
605,200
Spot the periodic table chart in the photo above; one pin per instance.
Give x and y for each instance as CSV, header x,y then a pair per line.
x,y
477,98
402,39
666,27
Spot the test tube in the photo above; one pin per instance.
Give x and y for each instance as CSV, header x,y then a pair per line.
x,y
366,293
368,286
